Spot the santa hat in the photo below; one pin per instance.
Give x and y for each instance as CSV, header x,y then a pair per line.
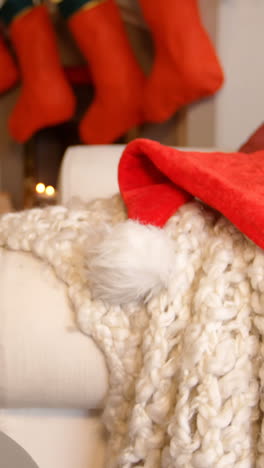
x,y
155,181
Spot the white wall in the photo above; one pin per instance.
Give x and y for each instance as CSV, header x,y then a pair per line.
x,y
238,109
240,105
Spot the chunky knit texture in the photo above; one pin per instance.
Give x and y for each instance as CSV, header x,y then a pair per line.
x,y
186,370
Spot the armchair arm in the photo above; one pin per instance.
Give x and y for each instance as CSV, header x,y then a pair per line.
x,y
89,172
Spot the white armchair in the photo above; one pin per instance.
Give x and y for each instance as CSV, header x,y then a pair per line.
x,y
51,391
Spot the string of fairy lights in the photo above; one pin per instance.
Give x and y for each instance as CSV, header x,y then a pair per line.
x,y
45,191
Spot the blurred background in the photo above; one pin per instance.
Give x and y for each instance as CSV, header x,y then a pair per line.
x,y
222,121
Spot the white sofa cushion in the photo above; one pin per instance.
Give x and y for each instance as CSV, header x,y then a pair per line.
x,y
45,360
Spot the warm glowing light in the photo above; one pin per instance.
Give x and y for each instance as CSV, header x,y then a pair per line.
x,y
40,188
50,190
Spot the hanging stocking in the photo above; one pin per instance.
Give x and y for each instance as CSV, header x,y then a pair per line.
x,y
118,80
185,67
46,98
8,70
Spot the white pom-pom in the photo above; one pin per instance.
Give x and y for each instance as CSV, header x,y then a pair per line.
x,y
130,262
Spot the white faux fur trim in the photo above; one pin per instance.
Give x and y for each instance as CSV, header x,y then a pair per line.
x,y
129,263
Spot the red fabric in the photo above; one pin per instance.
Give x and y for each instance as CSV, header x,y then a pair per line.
x,y
255,142
185,67
46,97
8,69
155,180
116,75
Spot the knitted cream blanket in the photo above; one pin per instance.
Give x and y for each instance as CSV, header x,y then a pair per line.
x,y
186,369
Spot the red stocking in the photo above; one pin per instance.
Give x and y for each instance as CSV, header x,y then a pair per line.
x,y
46,98
186,67
97,28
